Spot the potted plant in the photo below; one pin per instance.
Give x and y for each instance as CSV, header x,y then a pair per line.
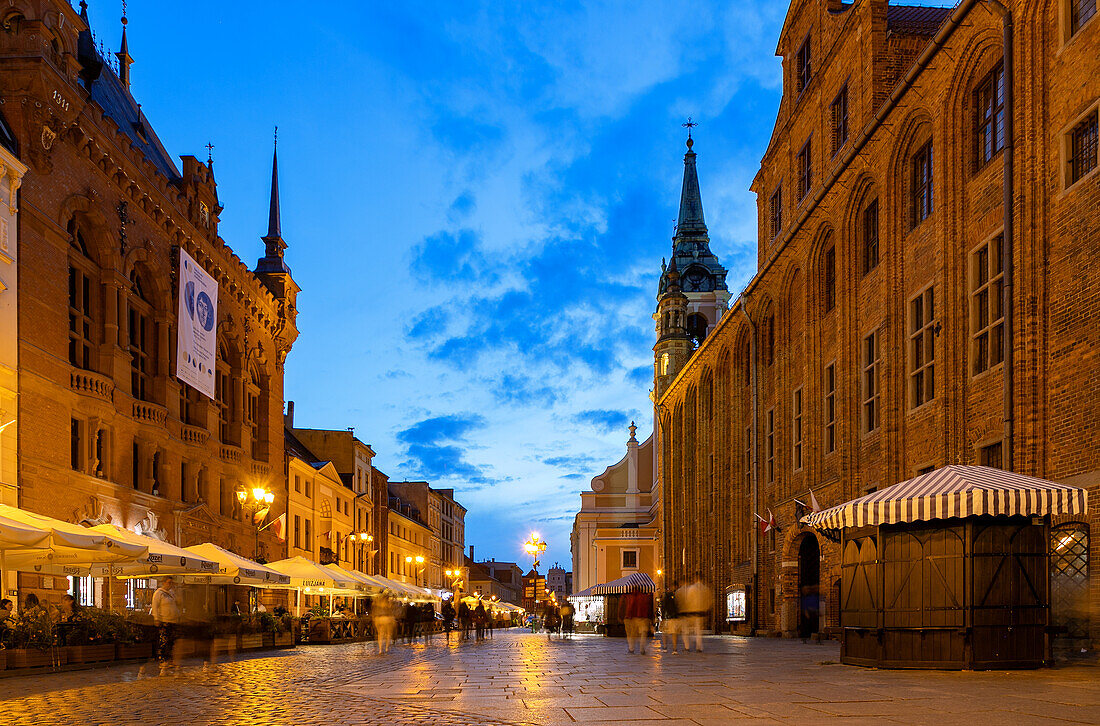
x,y
92,634
33,642
132,642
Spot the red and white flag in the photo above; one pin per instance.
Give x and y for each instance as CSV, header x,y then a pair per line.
x,y
279,527
813,502
765,524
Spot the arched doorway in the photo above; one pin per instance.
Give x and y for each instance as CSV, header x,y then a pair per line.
x,y
809,586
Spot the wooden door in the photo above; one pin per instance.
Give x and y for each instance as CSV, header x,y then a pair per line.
x,y
1010,592
861,600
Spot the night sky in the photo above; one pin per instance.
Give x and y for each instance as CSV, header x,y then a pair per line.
x,y
476,198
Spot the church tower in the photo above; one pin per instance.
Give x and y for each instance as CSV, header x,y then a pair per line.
x,y
274,271
702,277
674,346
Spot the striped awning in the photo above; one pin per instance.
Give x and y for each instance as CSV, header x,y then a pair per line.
x,y
954,491
625,584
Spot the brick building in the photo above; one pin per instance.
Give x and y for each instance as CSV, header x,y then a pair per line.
x,y
899,319
109,433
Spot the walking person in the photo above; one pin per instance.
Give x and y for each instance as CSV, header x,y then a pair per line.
x,y
464,619
166,615
566,614
382,613
480,616
636,611
694,602
670,619
448,613
550,619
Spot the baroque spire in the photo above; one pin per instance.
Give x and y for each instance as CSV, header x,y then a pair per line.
x,y
274,245
690,220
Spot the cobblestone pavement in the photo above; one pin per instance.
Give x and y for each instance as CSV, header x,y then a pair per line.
x,y
520,678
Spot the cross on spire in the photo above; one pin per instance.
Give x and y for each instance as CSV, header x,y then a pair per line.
x,y
689,125
209,152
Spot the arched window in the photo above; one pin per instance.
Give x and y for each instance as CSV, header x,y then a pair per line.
x,y
828,278
141,338
869,235
696,329
255,398
82,298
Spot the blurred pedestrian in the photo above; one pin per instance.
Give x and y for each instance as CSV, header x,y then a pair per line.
x,y
694,602
480,617
166,615
670,619
551,619
382,614
464,616
448,613
566,613
636,611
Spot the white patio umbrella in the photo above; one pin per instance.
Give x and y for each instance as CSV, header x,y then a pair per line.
x,y
366,582
315,579
234,569
18,535
161,559
67,547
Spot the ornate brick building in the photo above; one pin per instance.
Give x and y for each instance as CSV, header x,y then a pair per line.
x,y
108,432
902,317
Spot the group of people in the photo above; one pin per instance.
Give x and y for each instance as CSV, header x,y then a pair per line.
x,y
59,618
477,618
558,619
684,610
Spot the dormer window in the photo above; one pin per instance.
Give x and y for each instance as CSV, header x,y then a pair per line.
x,y
204,215
803,66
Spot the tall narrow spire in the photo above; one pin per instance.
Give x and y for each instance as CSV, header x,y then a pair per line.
x,y
273,261
691,204
274,223
123,55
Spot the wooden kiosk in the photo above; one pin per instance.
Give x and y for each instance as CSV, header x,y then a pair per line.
x,y
950,569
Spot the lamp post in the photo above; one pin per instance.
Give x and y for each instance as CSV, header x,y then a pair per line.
x,y
256,504
534,547
361,539
419,560
456,577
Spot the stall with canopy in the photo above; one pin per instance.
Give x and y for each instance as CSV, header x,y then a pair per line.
x,y
949,569
313,579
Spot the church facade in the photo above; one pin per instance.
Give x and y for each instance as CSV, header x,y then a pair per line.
x,y
902,316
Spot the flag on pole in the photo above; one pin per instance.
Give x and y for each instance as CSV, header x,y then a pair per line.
x,y
260,516
762,523
279,527
813,502
772,524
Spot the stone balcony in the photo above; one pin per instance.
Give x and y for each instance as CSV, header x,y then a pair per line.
x,y
150,413
231,454
194,435
260,468
94,385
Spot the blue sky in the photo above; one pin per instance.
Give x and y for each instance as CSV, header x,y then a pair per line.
x,y
476,198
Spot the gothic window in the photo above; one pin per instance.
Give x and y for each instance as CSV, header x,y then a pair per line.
x,y
922,348
870,382
989,115
1069,578
870,236
921,184
986,313
141,340
796,429
252,410
769,445
769,341
839,112
775,212
805,169
828,278
991,455
82,327
746,356
1082,144
1080,12
830,408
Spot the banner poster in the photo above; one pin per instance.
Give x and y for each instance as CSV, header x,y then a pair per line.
x,y
197,340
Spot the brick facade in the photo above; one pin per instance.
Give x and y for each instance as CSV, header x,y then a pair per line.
x,y
105,212
817,288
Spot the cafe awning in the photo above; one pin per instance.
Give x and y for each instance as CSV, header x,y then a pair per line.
x,y
66,546
316,579
954,491
366,582
236,570
161,559
626,584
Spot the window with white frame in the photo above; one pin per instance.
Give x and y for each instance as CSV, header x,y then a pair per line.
x,y
796,429
922,348
870,356
986,307
630,559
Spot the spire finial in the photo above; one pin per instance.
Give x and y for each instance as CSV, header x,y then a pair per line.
x,y
633,428
274,221
209,153
689,126
123,54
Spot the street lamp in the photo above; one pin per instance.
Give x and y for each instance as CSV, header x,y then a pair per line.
x,y
362,538
256,503
420,567
534,547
